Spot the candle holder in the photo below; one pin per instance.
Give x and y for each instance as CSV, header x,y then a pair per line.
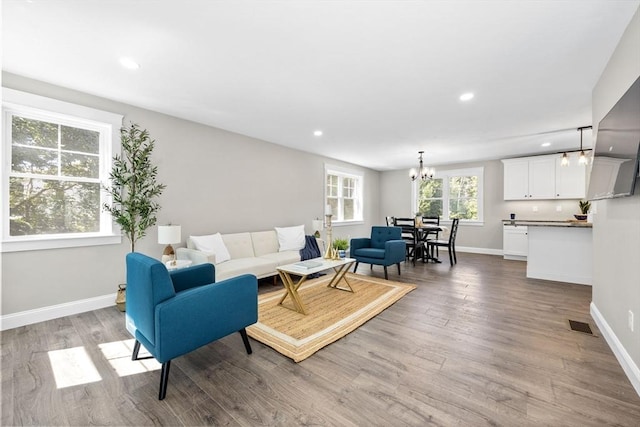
x,y
328,253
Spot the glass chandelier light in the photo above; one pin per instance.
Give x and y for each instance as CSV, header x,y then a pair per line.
x,y
424,173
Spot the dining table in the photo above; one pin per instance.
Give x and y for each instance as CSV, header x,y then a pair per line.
x,y
422,235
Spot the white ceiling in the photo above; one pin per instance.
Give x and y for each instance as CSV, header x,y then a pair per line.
x,y
381,79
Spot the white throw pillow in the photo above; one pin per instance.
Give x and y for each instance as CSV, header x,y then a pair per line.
x,y
290,238
212,244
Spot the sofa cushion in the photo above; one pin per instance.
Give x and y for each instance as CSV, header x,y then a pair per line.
x,y
239,245
212,244
282,258
259,267
290,238
264,242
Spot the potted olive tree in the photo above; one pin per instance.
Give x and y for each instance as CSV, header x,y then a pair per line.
x,y
133,188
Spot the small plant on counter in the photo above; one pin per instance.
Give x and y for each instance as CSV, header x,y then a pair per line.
x,y
585,205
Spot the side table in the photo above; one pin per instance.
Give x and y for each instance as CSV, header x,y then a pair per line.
x,y
179,263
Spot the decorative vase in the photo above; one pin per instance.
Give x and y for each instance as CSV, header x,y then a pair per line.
x,y
121,297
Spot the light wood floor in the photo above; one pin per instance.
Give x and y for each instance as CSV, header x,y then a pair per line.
x,y
476,344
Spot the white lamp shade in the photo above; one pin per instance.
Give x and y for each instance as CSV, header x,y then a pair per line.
x,y
317,224
168,234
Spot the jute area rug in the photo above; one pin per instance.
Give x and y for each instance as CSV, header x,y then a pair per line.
x,y
331,313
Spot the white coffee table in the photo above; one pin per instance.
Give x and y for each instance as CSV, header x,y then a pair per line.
x,y
316,265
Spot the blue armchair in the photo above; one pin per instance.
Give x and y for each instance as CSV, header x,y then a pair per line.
x,y
385,247
172,314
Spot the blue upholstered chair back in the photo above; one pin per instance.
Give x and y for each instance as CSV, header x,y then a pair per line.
x,y
380,235
152,286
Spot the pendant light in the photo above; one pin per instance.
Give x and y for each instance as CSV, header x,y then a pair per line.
x,y
582,158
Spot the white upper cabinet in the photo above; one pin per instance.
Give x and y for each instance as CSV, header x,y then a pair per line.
x,y
571,180
528,178
542,177
516,179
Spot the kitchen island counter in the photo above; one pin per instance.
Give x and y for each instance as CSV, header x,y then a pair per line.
x,y
547,223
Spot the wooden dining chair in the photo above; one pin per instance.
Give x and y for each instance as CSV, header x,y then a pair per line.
x,y
450,244
432,234
409,235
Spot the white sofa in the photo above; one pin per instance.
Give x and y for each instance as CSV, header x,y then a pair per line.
x,y
251,253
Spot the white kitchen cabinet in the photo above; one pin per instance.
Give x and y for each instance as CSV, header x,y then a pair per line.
x,y
543,178
571,180
515,242
516,179
530,178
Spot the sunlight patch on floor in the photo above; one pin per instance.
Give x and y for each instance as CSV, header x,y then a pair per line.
x,y
73,366
118,353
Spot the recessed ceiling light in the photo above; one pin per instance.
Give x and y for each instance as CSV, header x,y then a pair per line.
x,y
317,133
129,63
466,96
546,144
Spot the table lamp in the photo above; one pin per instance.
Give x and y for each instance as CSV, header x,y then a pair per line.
x,y
317,225
168,234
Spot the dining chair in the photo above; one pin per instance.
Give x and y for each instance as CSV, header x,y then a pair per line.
x,y
409,235
390,221
450,244
432,234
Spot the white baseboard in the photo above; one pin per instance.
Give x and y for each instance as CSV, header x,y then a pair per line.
x,y
485,251
28,317
628,365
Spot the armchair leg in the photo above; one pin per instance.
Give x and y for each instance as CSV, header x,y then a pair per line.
x,y
398,264
164,379
356,266
386,276
245,340
136,349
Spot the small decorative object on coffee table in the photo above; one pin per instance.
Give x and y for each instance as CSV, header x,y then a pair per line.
x,y
341,245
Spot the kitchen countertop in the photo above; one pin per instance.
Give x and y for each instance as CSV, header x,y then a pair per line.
x,y
547,223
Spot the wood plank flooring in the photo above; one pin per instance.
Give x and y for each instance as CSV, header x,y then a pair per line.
x,y
476,344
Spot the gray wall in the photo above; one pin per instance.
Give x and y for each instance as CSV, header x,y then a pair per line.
x,y
616,231
395,200
216,181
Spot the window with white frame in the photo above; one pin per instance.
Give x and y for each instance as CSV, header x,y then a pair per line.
x,y
343,192
56,156
451,194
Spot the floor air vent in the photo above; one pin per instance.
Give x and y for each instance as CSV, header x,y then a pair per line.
x,y
580,327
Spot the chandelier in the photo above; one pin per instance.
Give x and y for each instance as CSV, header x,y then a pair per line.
x,y
423,172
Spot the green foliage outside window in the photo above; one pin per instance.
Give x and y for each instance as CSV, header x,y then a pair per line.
x,y
461,197
430,197
54,180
